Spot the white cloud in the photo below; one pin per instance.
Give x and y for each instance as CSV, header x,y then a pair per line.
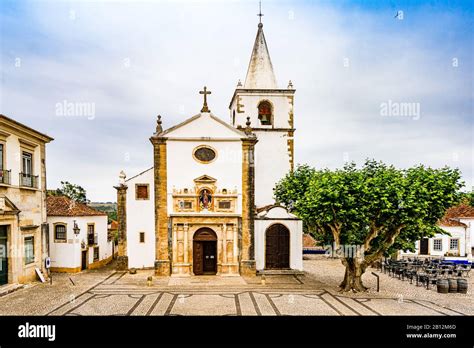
x,y
173,49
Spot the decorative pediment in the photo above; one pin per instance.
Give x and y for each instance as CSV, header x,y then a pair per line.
x,y
205,179
7,207
275,211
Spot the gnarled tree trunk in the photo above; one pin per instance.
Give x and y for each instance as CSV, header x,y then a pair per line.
x,y
353,276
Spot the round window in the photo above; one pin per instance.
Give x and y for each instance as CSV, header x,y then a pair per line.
x,y
204,154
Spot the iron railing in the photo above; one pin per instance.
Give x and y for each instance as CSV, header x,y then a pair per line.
x,y
28,180
5,176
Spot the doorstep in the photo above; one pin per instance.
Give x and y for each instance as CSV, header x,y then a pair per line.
x,y
8,288
279,272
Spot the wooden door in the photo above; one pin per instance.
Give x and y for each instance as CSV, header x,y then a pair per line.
x,y
424,246
3,255
198,267
277,247
84,260
210,257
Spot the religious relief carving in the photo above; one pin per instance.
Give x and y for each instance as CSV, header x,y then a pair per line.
x,y
204,154
205,196
205,199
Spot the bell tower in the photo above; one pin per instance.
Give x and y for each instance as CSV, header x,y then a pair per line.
x,y
271,115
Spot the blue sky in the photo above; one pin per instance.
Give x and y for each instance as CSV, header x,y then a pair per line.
x,y
134,60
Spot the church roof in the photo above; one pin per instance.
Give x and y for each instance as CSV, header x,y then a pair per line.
x,y
260,71
202,116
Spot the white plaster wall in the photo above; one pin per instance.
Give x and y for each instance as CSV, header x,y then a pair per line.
x,y
272,160
272,163
281,108
141,218
183,168
68,254
469,222
455,231
296,242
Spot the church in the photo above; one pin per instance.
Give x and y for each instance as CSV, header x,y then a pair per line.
x,y
206,206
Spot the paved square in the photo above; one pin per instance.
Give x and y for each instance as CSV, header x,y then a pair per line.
x,y
106,292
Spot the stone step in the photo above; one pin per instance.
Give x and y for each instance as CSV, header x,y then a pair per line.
x,y
279,272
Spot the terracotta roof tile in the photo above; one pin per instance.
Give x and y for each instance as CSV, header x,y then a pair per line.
x,y
308,241
267,207
452,215
64,206
113,225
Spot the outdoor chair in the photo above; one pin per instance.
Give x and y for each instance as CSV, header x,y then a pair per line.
x,y
466,269
432,277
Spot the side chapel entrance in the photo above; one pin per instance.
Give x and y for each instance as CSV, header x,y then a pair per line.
x,y
205,252
277,247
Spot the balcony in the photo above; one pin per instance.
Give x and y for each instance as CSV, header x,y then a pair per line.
x,y
28,180
92,239
5,176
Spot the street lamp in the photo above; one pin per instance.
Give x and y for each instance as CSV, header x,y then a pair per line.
x,y
76,228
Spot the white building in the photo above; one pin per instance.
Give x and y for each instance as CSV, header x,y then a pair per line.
x,y
206,206
78,236
457,243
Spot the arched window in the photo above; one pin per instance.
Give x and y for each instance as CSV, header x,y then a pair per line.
x,y
265,113
60,232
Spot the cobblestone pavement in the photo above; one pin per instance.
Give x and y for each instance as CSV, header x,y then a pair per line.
x,y
107,292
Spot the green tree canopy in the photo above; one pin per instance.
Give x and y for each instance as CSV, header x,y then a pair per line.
x,y
371,211
75,192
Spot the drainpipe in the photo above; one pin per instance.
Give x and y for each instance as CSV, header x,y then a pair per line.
x,y
467,236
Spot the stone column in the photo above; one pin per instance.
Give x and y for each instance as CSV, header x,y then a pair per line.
x,y
162,253
235,253
122,257
175,244
467,233
247,262
185,245
224,243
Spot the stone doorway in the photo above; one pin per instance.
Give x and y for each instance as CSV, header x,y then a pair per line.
x,y
205,252
84,260
424,246
277,247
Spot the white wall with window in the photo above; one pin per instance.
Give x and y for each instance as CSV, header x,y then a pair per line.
x,y
66,247
456,243
141,220
438,244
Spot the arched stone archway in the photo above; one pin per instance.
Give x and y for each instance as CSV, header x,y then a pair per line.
x,y
204,251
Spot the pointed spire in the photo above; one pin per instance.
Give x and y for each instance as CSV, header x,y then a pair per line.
x,y
260,71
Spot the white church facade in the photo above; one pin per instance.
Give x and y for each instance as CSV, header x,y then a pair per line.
x,y
206,206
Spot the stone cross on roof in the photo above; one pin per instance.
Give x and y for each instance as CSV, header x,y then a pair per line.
x,y
205,92
260,14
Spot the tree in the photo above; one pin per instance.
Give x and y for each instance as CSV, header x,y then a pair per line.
x,y
468,198
75,192
369,212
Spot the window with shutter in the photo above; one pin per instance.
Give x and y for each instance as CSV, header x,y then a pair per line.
x,y
141,191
